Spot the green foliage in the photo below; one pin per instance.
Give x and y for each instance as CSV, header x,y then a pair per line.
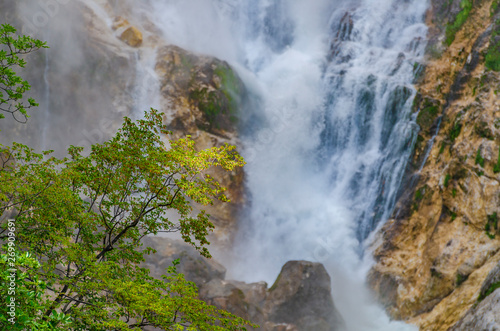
x,y
496,167
452,28
446,180
494,7
479,159
13,87
83,218
455,130
492,58
427,114
491,226
490,290
24,292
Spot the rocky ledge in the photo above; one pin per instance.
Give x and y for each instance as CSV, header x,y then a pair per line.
x,y
299,300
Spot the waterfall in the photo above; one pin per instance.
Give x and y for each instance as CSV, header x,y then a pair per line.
x,y
330,132
327,134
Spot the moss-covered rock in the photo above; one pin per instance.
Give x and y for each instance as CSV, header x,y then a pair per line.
x,y
207,86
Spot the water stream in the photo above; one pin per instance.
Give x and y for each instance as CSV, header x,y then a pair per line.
x,y
330,132
327,135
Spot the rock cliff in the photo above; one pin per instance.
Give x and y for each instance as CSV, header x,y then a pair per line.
x,y
433,256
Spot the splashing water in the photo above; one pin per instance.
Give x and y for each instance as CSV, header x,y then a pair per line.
x,y
329,132
328,143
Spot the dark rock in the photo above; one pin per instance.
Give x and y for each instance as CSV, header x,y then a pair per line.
x,y
299,300
301,295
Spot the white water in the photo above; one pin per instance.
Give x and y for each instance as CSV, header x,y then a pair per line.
x,y
330,132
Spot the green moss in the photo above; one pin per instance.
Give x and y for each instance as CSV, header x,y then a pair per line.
x,y
496,167
493,219
208,102
490,290
460,279
479,159
452,28
483,130
443,146
491,226
447,180
454,192
494,6
453,215
455,130
419,194
424,193
275,285
230,86
492,58
427,114
222,100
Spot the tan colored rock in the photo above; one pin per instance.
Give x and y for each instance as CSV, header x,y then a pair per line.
x,y
132,36
432,259
120,22
486,316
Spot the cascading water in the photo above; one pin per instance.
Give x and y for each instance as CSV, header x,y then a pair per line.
x,y
332,131
329,131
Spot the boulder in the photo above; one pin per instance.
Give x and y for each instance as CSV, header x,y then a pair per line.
x,y
301,296
299,300
132,36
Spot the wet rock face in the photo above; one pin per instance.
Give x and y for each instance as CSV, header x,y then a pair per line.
x,y
207,87
434,258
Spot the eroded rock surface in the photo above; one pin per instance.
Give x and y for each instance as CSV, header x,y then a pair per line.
x,y
486,316
433,257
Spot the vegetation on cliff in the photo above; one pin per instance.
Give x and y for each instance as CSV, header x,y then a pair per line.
x,y
72,231
438,250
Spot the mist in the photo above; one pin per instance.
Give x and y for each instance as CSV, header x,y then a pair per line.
x,y
326,138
